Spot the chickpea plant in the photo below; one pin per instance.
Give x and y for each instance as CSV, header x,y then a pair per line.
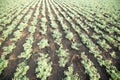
x,y
44,67
70,75
43,43
21,71
63,56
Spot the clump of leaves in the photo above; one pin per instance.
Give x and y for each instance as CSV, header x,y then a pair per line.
x,y
27,48
44,19
113,54
89,67
21,71
44,28
75,46
95,36
103,44
65,28
22,26
26,54
17,34
69,35
3,64
32,29
54,25
8,49
44,67
63,56
43,43
70,75
56,34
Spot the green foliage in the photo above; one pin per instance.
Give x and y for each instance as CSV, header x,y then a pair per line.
x,y
44,67
44,28
3,64
26,54
112,70
104,45
95,36
32,29
27,48
43,43
27,17
17,34
107,63
77,29
63,56
8,31
70,75
89,67
83,16
8,49
28,43
43,20
75,46
69,35
116,30
21,71
56,34
65,27
34,22
22,26
54,25
110,39
113,54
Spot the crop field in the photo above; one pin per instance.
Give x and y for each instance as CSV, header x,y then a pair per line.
x,y
59,40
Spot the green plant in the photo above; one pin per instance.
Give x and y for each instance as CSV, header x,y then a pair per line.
x,y
63,56
114,73
56,34
34,22
54,25
44,67
44,20
113,54
116,30
75,46
95,36
3,64
28,43
32,29
27,17
65,27
17,34
107,63
69,35
8,49
26,54
43,43
76,28
21,71
52,17
89,67
104,45
70,75
44,28
27,48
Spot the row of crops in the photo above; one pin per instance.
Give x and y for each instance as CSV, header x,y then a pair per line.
x,y
58,40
